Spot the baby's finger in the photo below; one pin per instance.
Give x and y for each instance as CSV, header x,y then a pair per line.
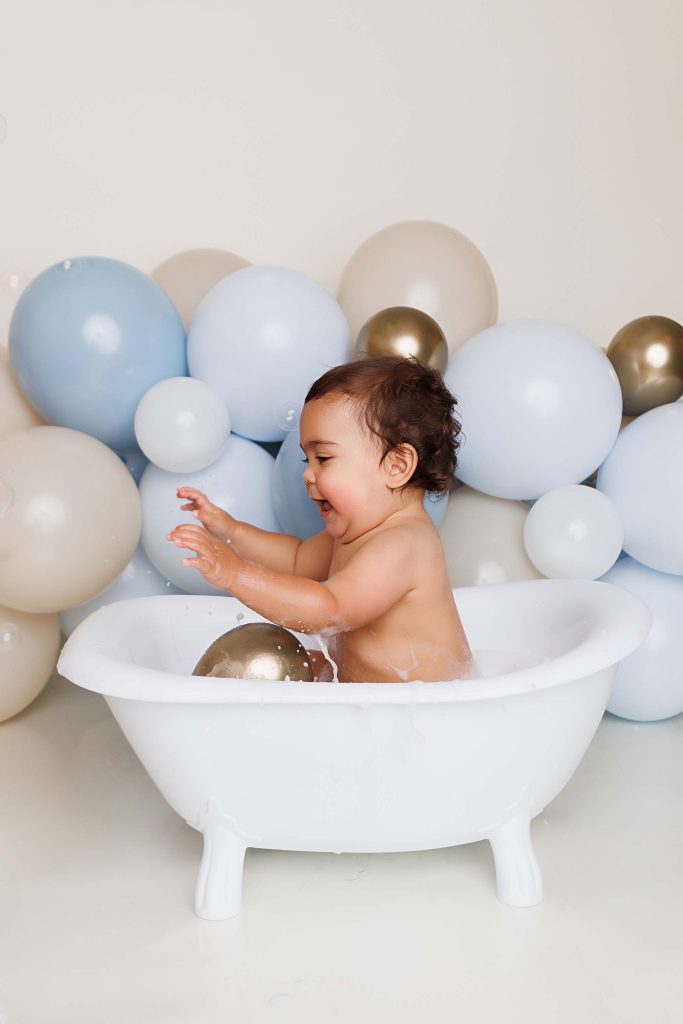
x,y
201,545
193,494
195,543
198,563
189,530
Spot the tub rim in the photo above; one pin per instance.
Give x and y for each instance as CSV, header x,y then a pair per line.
x,y
621,621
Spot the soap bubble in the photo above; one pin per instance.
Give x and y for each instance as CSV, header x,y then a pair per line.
x,y
13,280
10,636
12,283
288,416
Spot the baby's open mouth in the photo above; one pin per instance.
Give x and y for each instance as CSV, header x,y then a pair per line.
x,y
324,506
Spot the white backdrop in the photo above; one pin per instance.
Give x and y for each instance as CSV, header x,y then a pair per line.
x,y
548,131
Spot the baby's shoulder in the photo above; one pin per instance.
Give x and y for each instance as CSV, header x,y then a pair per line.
x,y
413,535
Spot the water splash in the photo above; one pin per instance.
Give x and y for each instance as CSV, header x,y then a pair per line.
x,y
324,648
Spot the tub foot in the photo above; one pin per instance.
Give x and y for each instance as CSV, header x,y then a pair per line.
x,y
518,876
219,884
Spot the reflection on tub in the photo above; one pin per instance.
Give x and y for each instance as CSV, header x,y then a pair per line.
x,y
366,767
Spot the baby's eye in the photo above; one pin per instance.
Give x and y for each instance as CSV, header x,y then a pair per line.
x,y
323,458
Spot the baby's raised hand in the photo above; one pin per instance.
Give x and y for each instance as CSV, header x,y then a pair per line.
x,y
216,520
214,559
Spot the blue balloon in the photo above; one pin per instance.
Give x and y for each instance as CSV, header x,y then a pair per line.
x,y
261,337
296,513
87,339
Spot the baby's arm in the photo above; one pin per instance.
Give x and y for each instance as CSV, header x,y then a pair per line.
x,y
278,551
371,583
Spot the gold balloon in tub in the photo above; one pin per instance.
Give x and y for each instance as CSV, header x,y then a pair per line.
x,y
256,650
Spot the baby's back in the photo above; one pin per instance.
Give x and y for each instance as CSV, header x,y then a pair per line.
x,y
421,636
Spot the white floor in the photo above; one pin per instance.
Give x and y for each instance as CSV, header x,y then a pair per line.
x,y
97,877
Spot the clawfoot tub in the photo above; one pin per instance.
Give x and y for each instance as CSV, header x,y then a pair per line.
x,y
364,767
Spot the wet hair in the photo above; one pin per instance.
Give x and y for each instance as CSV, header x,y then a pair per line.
x,y
401,401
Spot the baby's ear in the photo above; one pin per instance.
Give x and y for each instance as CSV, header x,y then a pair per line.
x,y
400,464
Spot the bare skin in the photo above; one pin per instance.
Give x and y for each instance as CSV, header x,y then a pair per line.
x,y
373,583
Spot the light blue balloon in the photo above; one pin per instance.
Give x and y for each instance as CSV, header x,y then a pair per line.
x,y
518,386
643,476
296,513
136,463
240,481
261,337
138,579
88,338
648,685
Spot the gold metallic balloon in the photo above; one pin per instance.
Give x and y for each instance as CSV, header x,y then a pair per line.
x,y
647,355
403,331
256,650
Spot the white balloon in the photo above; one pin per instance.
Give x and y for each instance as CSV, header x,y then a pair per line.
x,y
573,532
261,337
138,579
181,424
540,407
643,476
649,683
240,481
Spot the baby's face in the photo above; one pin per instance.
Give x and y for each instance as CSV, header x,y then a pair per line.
x,y
343,475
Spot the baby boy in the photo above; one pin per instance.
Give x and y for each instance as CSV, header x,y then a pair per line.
x,y
376,434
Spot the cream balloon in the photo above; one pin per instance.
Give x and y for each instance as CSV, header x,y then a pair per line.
x,y
70,518
573,532
29,646
483,539
188,276
428,266
16,413
181,424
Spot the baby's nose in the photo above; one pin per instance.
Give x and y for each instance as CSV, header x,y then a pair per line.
x,y
309,475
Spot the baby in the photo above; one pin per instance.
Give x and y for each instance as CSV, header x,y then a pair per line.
x,y
376,435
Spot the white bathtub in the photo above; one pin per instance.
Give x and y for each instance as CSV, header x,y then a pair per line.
x,y
364,767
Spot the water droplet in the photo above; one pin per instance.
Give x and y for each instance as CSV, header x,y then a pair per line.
x,y
67,264
10,636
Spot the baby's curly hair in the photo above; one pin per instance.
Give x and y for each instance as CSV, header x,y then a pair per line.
x,y
402,401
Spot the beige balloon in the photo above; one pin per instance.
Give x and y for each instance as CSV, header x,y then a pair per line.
x,y
29,646
483,539
426,265
70,518
188,276
15,411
